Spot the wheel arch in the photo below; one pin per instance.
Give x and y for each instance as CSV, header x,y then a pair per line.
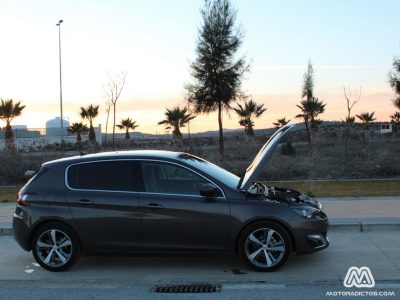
x,y
41,223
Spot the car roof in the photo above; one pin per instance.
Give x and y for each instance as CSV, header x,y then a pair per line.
x,y
116,155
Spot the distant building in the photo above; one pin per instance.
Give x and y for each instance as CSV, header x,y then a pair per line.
x,y
21,131
20,127
53,127
386,128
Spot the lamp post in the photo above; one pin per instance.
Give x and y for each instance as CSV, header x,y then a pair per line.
x,y
61,105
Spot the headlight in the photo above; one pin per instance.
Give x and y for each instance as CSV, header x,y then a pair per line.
x,y
306,211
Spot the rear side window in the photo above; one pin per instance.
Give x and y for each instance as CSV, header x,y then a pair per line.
x,y
107,175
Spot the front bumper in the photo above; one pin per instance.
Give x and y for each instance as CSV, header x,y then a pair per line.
x,y
311,235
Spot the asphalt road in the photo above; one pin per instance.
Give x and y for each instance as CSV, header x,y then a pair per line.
x,y
303,277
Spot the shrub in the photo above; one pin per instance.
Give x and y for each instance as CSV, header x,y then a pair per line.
x,y
14,165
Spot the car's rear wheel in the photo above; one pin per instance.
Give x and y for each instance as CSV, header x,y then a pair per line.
x,y
55,246
265,246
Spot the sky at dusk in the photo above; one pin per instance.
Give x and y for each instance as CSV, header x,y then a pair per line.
x,y
350,42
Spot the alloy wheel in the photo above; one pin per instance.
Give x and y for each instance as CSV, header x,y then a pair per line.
x,y
265,247
54,248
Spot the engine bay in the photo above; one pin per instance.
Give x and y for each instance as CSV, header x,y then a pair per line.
x,y
259,191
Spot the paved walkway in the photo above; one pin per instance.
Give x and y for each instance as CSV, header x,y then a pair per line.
x,y
365,207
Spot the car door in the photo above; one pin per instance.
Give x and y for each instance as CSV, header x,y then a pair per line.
x,y
104,204
175,216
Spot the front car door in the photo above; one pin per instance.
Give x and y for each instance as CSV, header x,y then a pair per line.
x,y
104,204
175,216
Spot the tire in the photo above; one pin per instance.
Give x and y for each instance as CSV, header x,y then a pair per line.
x,y
56,246
265,246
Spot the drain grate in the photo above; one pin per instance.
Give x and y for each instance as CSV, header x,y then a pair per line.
x,y
187,288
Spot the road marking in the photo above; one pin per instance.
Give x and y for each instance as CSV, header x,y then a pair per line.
x,y
29,271
251,286
82,285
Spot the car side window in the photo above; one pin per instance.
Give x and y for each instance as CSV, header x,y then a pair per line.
x,y
106,175
159,177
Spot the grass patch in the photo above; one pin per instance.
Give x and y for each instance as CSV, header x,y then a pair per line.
x,y
8,193
344,188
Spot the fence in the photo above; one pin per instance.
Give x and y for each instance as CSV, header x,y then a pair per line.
x,y
33,139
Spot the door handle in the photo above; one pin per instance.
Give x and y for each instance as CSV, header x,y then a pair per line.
x,y
83,202
152,205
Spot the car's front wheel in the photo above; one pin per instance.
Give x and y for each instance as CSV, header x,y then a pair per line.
x,y
55,246
265,246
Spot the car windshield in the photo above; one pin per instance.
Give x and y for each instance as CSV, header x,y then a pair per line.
x,y
215,171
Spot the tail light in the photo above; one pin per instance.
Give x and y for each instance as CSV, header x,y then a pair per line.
x,y
22,198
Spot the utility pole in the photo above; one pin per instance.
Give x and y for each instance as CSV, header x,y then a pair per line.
x,y
61,104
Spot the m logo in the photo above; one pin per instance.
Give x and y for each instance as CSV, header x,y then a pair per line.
x,y
359,277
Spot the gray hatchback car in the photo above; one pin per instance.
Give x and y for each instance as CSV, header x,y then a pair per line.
x,y
149,201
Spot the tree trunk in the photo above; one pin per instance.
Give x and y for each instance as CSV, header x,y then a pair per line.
x,y
127,136
221,134
9,137
346,156
92,134
177,133
79,138
113,140
250,131
190,140
105,137
308,132
9,133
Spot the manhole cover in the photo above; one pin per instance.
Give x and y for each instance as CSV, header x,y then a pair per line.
x,y
187,288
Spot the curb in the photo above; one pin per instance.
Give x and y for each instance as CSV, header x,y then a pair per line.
x,y
6,230
357,226
365,226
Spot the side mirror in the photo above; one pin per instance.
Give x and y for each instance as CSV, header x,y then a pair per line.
x,y
209,190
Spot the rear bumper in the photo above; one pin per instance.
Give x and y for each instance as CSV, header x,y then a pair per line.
x,y
21,231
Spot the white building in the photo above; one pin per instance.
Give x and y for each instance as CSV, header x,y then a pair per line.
x,y
386,128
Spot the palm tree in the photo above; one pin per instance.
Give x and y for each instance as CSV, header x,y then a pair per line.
x,y
349,120
310,109
281,122
78,128
247,112
366,118
90,113
176,118
127,124
8,111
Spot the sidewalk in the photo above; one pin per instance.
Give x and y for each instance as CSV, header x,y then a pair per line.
x,y
360,213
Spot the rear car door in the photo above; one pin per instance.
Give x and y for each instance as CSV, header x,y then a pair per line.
x,y
104,204
175,216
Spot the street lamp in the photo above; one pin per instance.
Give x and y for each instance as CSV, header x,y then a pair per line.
x,y
61,106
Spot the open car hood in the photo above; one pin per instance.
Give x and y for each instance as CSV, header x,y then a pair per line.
x,y
262,157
